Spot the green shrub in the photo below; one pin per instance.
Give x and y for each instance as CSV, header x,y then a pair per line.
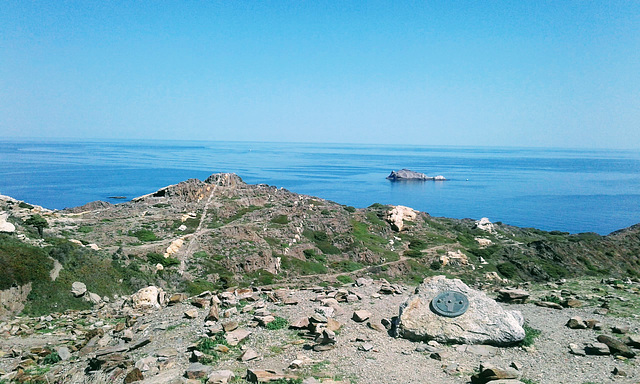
x,y
507,269
156,258
22,263
350,209
85,229
345,279
435,265
280,219
51,358
347,266
303,267
417,245
25,205
198,286
322,241
261,276
144,235
278,323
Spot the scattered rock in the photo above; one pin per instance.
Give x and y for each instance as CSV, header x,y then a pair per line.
x,y
620,329
220,377
515,296
548,304
147,298
491,373
596,349
236,336
248,355
191,313
616,347
576,322
134,375
198,371
361,316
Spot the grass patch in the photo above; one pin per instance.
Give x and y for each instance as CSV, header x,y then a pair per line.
x,y
530,335
278,323
345,279
144,235
347,266
322,241
280,219
303,267
85,229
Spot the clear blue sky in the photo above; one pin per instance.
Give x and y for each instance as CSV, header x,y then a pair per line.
x,y
507,73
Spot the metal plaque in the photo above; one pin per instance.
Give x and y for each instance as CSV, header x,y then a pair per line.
x,y
450,304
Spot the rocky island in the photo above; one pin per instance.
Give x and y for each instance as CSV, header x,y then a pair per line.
x,y
408,175
218,281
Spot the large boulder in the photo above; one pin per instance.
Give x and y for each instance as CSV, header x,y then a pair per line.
x,y
147,298
484,322
6,226
398,214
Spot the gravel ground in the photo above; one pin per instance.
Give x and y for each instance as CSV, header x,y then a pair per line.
x,y
391,360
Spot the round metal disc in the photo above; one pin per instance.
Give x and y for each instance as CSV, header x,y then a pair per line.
x,y
450,304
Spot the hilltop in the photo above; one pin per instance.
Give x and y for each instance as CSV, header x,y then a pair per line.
x,y
221,233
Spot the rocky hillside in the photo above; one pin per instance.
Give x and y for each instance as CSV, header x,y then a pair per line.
x,y
221,232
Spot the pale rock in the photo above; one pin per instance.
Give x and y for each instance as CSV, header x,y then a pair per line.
x,y
236,336
483,242
398,214
64,353
361,315
248,355
485,322
325,311
147,298
174,247
182,228
6,226
78,289
93,298
485,225
94,246
77,242
220,377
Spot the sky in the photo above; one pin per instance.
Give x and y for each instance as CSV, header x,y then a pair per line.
x,y
482,73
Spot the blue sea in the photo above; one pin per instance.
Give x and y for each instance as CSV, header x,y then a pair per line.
x,y
552,189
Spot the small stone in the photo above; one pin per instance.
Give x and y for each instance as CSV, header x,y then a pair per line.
x,y
574,349
323,347
220,377
248,355
236,336
301,323
620,329
134,375
214,313
633,340
601,311
572,303
376,326
618,372
596,349
200,302
361,316
366,347
127,335
230,326
548,304
576,323
198,371
191,313
515,296
326,337
325,311
64,353
333,325
221,348
593,324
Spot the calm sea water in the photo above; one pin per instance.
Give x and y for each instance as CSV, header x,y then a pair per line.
x,y
550,189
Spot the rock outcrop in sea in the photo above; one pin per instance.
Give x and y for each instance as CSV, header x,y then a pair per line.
x,y
409,175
